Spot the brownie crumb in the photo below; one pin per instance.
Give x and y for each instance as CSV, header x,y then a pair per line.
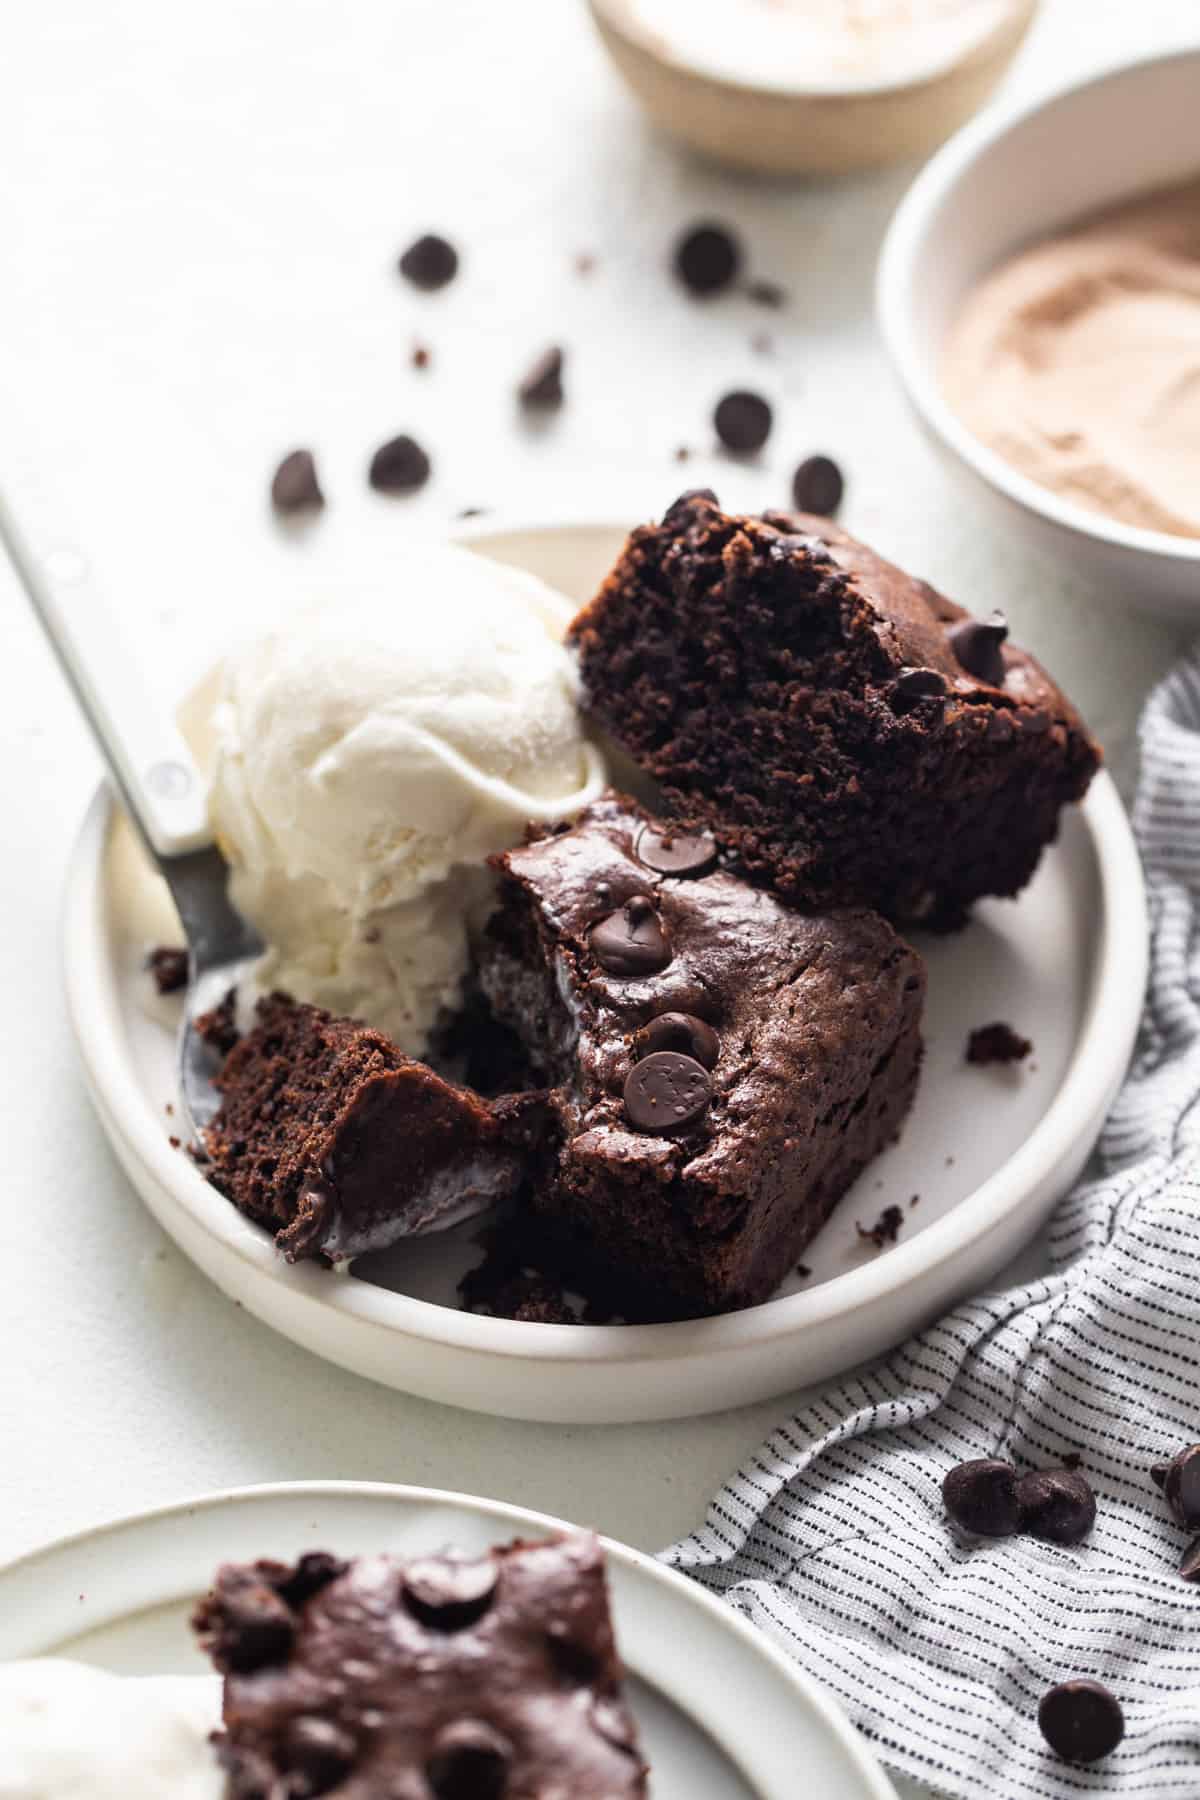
x,y
1072,1460
997,1043
168,966
915,1201
175,1143
585,262
218,1028
766,293
683,454
421,356
885,1230
471,512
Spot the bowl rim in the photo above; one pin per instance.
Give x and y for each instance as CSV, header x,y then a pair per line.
x,y
898,277
616,16
1106,1035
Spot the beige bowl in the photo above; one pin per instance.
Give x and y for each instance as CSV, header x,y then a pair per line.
x,y
792,130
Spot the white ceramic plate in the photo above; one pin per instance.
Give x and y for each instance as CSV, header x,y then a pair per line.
x,y
723,1714
986,1150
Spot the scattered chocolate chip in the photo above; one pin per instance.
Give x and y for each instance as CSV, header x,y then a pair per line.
x,y
631,941
976,643
471,512
541,390
997,1043
1189,1567
319,1751
430,262
1158,1473
707,259
742,421
666,1091
912,685
686,500
1081,1721
585,262
447,1593
766,293
677,853
168,968
682,1032
399,467
885,1230
981,1497
1056,1505
470,1761
294,485
420,356
818,486
1181,1485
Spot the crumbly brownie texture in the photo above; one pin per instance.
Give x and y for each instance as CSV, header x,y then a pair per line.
x,y
495,1678
852,736
338,1143
723,1066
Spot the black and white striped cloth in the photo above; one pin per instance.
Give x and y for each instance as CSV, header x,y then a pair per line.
x,y
833,1539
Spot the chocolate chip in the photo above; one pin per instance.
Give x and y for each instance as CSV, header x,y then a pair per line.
x,y
1056,1505
631,941
976,643
682,1032
707,259
430,262
666,1091
168,968
448,1594
1189,1567
420,356
1158,1473
818,486
294,486
680,508
676,852
399,467
542,388
766,293
1081,1721
316,1205
318,1751
1181,1485
912,685
314,1571
981,1497
470,1761
742,421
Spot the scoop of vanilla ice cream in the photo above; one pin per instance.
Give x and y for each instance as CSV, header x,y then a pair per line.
x,y
70,1732
372,752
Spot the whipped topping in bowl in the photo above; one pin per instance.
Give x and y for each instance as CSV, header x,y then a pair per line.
x,y
1078,362
816,45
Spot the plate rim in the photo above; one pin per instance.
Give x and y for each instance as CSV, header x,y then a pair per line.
x,y
1100,1056
828,1712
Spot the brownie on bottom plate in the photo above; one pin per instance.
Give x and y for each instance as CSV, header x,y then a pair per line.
x,y
722,1065
438,1678
850,735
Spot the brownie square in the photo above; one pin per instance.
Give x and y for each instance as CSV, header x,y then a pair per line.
x,y
723,1065
332,1138
849,735
439,1678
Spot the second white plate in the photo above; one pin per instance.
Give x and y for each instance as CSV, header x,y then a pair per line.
x,y
982,1158
723,1714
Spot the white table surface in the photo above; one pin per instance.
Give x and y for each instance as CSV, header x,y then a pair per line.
x,y
200,210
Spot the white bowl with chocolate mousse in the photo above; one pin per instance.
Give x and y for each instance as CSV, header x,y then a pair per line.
x,y
1039,292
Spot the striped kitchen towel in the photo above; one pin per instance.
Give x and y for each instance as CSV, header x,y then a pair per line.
x,y
833,1537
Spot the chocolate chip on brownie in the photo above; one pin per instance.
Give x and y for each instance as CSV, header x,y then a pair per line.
x,y
666,1091
977,645
682,1032
631,941
679,853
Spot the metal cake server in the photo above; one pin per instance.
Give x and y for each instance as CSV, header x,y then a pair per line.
x,y
154,774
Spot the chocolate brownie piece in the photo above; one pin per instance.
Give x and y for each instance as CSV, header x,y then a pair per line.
x,y
723,1065
441,1678
332,1138
850,735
